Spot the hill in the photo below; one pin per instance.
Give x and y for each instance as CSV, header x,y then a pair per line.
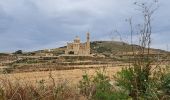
x,y
104,47
116,47
104,53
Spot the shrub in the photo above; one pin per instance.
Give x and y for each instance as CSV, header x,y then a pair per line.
x,y
140,82
137,81
18,52
99,87
162,82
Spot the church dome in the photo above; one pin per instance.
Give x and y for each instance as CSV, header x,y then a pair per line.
x,y
77,38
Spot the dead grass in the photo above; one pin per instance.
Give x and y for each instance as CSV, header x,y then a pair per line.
x,y
72,76
10,90
39,86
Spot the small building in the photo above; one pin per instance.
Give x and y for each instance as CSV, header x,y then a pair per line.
x,y
78,48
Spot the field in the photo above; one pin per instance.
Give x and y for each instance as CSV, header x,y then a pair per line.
x,y
72,76
66,81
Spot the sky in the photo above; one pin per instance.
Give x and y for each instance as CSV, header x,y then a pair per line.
x,y
30,25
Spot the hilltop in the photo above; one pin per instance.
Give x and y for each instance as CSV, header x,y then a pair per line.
x,y
103,47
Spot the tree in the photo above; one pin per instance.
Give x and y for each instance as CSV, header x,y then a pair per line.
x,y
18,52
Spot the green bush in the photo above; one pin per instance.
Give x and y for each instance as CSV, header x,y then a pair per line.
x,y
137,81
166,83
162,82
99,87
140,82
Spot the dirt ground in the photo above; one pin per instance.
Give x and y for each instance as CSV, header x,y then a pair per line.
x,y
69,76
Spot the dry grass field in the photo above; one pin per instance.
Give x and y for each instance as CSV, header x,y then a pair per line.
x,y
71,76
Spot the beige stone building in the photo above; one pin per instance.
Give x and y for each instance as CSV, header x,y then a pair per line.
x,y
78,48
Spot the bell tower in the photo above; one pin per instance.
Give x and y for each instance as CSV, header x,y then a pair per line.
x,y
88,43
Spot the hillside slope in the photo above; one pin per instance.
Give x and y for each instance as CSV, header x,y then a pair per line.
x,y
115,47
107,48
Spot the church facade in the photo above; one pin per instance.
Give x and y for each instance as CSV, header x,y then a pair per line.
x,y
78,48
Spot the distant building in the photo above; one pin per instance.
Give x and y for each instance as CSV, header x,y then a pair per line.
x,y
78,48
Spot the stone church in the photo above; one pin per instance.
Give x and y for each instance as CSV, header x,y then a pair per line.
x,y
78,48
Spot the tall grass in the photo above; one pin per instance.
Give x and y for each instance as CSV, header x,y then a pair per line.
x,y
10,90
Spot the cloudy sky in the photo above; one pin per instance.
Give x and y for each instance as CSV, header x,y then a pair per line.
x,y
38,24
